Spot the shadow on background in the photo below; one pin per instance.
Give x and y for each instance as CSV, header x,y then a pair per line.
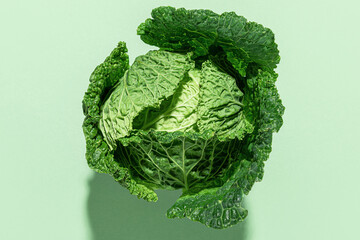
x,y
115,214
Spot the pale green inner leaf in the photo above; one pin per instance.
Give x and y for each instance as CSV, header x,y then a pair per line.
x,y
177,113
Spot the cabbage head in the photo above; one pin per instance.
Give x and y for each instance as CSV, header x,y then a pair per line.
x,y
198,114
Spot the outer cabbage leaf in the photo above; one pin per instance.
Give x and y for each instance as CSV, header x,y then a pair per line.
x,y
152,78
222,207
172,160
199,30
98,154
263,105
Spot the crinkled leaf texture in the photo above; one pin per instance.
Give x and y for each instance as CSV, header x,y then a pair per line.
x,y
197,30
99,155
196,115
151,79
221,207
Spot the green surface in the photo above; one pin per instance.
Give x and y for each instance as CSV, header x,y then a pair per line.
x,y
48,50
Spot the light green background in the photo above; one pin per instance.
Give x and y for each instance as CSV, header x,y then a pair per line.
x,y
48,50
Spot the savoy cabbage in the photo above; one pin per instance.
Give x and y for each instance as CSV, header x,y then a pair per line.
x,y
198,114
